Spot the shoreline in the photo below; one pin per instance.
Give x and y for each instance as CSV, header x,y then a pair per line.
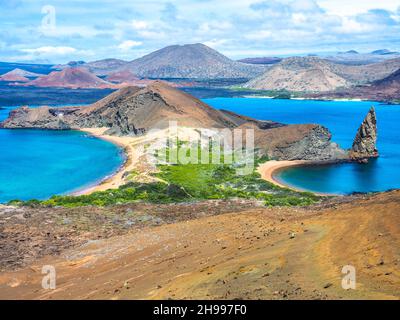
x,y
269,169
116,179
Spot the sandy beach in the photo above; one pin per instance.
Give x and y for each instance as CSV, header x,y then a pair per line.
x,y
269,168
117,179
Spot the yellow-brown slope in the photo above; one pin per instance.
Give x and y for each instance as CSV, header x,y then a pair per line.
x,y
277,253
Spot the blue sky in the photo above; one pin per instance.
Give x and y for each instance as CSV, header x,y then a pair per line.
x,y
127,29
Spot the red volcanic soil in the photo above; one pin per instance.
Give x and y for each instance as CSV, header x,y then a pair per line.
x,y
73,78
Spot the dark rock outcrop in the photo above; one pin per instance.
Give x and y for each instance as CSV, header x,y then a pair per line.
x,y
299,142
364,145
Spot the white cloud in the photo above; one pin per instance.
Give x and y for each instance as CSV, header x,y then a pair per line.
x,y
259,35
350,8
63,31
50,53
123,29
140,24
129,44
50,50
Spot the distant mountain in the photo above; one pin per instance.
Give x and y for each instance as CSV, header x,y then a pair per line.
x,y
70,78
122,76
384,52
309,74
125,78
362,74
353,57
19,75
195,61
99,67
261,60
387,89
35,68
105,66
349,52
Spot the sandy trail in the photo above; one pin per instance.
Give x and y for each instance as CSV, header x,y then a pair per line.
x,y
277,253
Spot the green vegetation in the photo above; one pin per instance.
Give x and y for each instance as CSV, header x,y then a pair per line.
x,y
188,182
276,94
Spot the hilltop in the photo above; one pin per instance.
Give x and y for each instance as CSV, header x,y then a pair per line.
x,y
313,74
191,61
196,61
299,74
386,89
70,78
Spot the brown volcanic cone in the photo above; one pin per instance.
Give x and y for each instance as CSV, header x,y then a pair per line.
x,y
70,78
133,110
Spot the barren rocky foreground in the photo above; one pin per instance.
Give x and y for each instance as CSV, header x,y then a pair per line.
x,y
207,250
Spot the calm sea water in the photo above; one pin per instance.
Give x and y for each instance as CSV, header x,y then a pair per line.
x,y
343,119
40,163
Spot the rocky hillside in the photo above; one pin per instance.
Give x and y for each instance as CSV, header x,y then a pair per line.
x,y
313,74
364,74
70,78
301,74
131,111
387,89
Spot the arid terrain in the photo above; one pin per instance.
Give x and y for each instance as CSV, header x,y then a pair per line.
x,y
248,252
